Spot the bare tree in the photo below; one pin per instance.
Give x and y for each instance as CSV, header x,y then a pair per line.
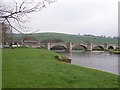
x,y
14,13
18,10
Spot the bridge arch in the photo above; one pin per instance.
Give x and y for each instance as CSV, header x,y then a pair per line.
x,y
98,48
79,47
42,46
111,47
58,47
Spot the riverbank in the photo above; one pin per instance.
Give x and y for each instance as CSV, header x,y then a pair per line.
x,y
114,51
38,68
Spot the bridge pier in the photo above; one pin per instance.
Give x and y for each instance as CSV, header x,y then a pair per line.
x,y
69,47
89,46
48,46
105,46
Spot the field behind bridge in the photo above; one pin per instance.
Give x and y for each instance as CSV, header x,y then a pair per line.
x,y
71,38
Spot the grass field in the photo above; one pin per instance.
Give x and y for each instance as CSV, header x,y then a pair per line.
x,y
37,68
0,68
71,38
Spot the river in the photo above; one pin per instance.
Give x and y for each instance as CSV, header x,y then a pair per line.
x,y
97,60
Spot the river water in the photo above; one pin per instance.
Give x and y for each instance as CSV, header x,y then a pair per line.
x,y
97,60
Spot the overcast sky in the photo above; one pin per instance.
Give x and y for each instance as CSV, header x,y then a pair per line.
x,y
97,17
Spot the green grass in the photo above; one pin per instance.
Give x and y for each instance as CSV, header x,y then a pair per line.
x,y
114,51
37,68
71,38
0,68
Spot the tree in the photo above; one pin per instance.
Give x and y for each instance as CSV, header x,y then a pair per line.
x,y
17,11
5,33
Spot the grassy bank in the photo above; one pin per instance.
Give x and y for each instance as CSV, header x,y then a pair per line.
x,y
0,68
37,68
114,51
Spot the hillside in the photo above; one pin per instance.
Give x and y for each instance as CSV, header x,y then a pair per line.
x,y
71,38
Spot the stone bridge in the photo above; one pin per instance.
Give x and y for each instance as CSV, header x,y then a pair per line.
x,y
87,46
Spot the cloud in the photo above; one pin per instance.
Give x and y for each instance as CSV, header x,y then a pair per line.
x,y
98,17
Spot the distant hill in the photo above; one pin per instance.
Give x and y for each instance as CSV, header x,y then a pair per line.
x,y
71,38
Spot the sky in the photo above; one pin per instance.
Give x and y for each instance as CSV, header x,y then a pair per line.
x,y
96,17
